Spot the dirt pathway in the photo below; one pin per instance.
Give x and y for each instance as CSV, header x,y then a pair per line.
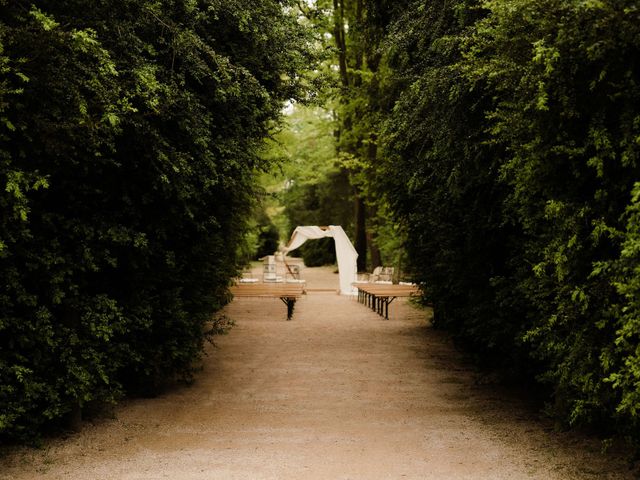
x,y
337,393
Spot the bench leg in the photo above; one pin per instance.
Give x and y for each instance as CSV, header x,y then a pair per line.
x,y
387,302
290,303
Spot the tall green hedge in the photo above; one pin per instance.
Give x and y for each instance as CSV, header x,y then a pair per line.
x,y
566,74
129,133
512,156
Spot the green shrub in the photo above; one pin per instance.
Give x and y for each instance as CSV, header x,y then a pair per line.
x,y
511,155
130,135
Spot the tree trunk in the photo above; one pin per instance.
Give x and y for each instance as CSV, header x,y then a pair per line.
x,y
358,48
341,44
376,258
372,153
361,234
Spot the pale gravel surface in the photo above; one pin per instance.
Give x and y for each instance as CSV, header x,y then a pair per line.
x,y
337,393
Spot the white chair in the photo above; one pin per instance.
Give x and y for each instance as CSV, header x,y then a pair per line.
x,y
382,275
269,273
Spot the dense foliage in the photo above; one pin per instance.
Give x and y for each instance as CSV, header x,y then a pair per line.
x,y
129,136
511,154
441,174
500,138
329,154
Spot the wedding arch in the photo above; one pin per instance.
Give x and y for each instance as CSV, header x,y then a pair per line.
x,y
345,253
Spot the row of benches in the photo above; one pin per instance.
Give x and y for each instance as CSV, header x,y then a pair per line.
x,y
376,296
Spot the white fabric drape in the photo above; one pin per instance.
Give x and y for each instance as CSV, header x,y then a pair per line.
x,y
345,253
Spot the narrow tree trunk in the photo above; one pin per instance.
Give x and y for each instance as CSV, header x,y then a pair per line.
x,y
359,50
361,234
376,260
341,44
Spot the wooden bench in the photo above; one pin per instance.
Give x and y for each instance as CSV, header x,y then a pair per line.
x,y
287,292
378,296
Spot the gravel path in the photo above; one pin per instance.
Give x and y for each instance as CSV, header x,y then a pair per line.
x,y
337,393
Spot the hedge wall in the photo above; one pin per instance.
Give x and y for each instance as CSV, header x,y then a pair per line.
x,y
129,134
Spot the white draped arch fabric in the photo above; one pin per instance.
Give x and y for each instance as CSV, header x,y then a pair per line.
x,y
345,253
